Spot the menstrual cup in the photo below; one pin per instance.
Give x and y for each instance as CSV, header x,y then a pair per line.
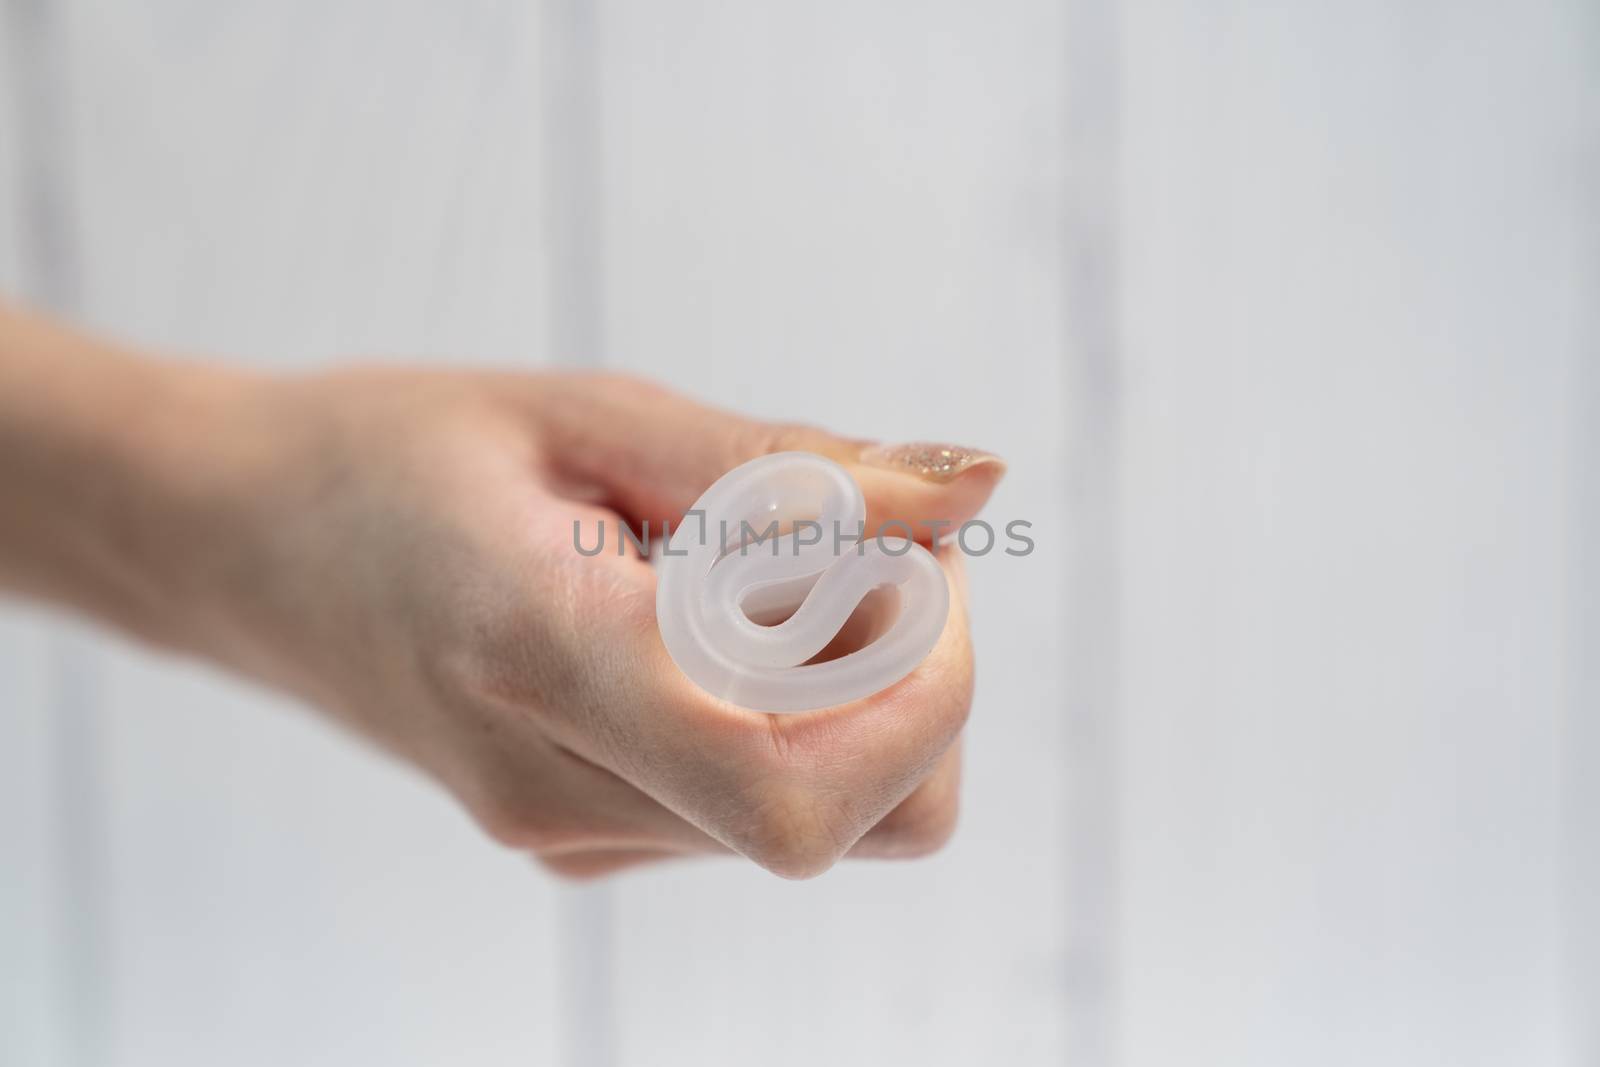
x,y
784,537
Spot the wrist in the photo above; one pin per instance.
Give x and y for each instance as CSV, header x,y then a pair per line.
x,y
182,476
118,476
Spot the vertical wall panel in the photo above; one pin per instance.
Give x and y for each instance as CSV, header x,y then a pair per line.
x,y
571,79
849,215
1349,306
1090,469
1581,736
33,989
27,978
11,156
47,935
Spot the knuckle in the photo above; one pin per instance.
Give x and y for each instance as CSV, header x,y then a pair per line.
x,y
765,438
944,690
586,867
794,833
785,436
921,826
520,827
569,869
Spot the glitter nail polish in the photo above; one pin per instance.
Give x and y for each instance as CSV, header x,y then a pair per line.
x,y
929,460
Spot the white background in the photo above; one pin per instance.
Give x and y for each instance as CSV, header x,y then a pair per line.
x,y
1285,316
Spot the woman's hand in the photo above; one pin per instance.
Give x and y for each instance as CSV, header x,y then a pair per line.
x,y
396,546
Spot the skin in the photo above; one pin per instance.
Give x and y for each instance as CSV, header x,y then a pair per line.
x,y
394,547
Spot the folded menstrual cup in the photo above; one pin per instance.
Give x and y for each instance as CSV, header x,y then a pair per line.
x,y
783,537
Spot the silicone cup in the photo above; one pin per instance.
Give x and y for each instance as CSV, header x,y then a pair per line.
x,y
712,578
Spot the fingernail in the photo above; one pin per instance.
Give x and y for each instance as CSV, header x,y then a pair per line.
x,y
931,461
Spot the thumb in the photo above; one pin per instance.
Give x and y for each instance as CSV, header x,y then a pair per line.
x,y
651,453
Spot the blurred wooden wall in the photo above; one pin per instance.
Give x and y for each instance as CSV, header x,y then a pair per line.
x,y
1283,315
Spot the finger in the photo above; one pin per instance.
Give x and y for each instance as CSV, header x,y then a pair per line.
x,y
922,823
653,453
532,794
597,863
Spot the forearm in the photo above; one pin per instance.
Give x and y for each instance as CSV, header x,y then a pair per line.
x,y
106,458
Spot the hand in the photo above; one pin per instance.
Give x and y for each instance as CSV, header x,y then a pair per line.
x,y
397,547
